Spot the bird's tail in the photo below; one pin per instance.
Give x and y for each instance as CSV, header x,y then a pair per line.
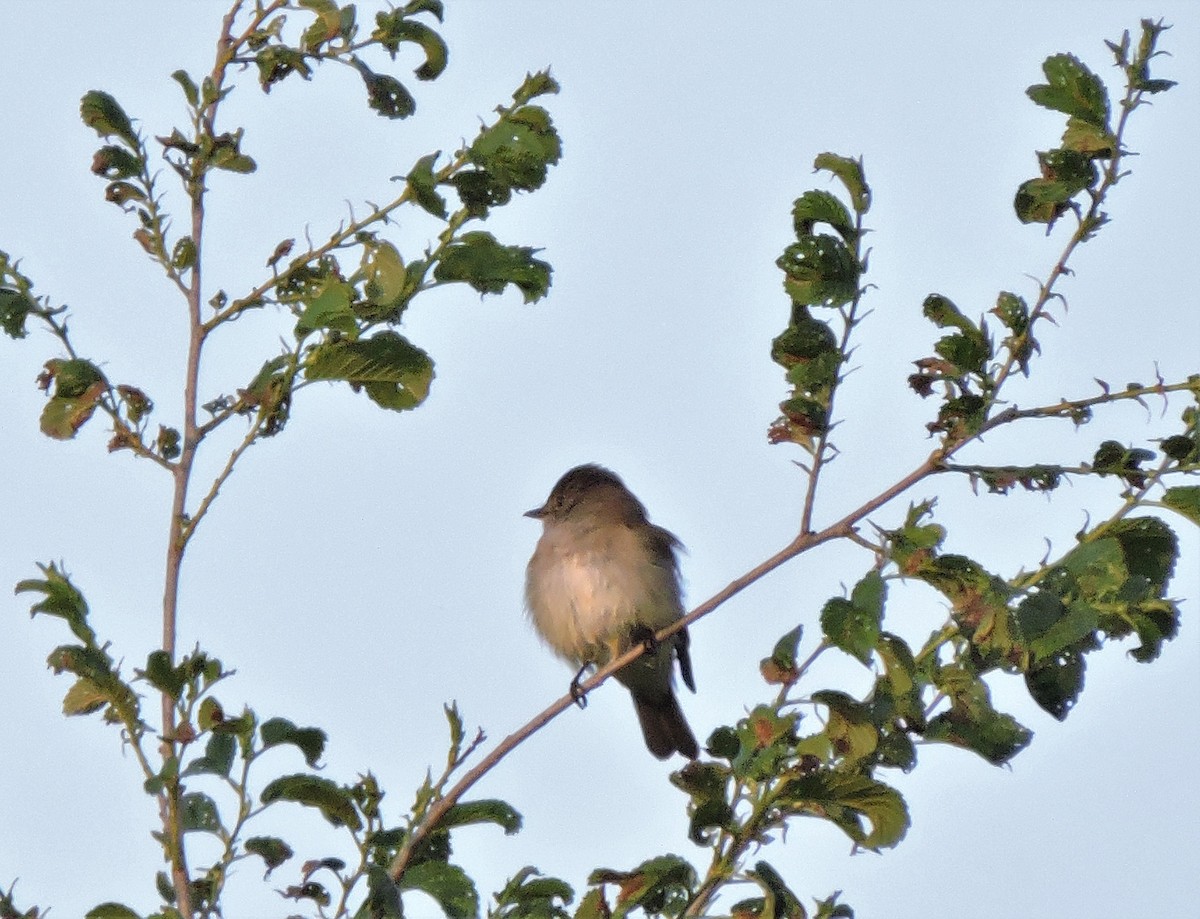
x,y
663,726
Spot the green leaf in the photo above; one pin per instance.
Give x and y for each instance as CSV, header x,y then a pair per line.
x,y
271,849
534,85
385,94
423,187
1055,684
278,62
15,306
854,625
448,884
386,281
111,162
1051,626
815,207
1150,549
395,373
104,115
819,270
781,901
393,27
528,895
972,723
518,150
1185,500
1092,140
383,896
162,675
190,90
83,698
485,811
594,906
62,599
658,885
331,799
327,306
199,814
326,26
780,667
1042,200
78,388
310,741
846,800
829,908
1073,89
850,172
226,153
112,911
480,261
217,758
849,727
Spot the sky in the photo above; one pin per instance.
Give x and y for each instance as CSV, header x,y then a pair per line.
x,y
365,567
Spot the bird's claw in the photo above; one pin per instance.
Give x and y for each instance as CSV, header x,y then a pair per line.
x,y
578,696
645,636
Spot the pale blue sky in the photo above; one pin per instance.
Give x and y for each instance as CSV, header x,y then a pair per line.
x,y
365,567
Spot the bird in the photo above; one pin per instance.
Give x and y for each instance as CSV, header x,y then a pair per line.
x,y
603,578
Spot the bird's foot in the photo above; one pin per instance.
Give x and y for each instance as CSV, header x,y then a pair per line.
x,y
578,696
645,636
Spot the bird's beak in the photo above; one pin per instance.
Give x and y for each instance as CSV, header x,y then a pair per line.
x,y
537,513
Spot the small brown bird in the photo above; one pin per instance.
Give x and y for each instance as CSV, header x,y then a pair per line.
x,y
603,578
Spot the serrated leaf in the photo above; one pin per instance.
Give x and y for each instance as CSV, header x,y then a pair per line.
x,y
394,27
385,94
780,667
1185,500
815,207
854,624
163,675
528,895
383,896
309,741
217,758
819,270
850,172
846,800
112,911
849,727
328,307
199,814
271,849
781,901
1055,684
386,282
448,884
104,115
395,373
61,599
331,799
78,388
487,266
484,811
15,307
83,698
1150,548
973,723
652,885
190,91
534,85
518,149
1073,89
423,187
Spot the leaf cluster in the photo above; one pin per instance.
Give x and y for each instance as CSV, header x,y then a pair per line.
x,y
822,270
